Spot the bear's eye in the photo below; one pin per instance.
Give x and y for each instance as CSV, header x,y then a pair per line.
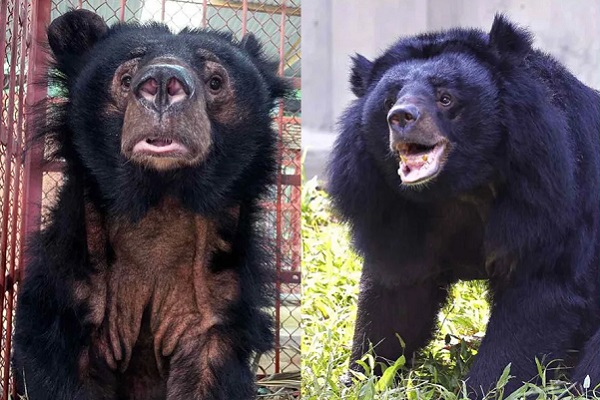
x,y
389,103
215,83
126,81
445,100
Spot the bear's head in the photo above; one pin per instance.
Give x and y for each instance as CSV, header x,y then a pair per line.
x,y
445,113
151,113
431,113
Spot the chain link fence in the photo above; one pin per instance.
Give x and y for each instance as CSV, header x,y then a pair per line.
x,y
28,185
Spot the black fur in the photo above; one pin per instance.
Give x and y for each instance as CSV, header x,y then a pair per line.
x,y
50,326
516,203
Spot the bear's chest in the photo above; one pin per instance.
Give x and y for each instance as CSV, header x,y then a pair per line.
x,y
156,287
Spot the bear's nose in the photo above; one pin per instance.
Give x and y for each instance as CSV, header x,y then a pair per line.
x,y
403,115
163,85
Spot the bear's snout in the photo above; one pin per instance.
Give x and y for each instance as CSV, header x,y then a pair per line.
x,y
163,85
166,123
416,140
403,116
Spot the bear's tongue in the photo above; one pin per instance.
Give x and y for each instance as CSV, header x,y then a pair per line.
x,y
415,167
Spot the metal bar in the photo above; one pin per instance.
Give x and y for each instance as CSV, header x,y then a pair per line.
x,y
290,277
4,135
296,83
9,286
294,53
296,195
9,151
4,132
162,10
244,16
291,180
271,206
20,140
32,196
3,129
8,161
122,10
54,166
204,10
3,21
257,7
292,120
279,198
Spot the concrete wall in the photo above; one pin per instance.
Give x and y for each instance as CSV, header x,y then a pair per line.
x,y
334,29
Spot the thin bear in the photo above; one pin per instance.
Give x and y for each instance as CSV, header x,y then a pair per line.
x,y
150,280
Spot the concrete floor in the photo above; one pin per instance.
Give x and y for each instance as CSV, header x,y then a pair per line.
x,y
317,146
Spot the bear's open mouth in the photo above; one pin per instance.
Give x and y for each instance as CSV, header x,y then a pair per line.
x,y
161,147
420,162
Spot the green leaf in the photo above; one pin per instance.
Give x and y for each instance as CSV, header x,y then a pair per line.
x,y
387,379
504,378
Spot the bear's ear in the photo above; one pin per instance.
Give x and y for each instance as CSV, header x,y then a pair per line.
x,y
508,39
74,33
251,45
278,87
361,73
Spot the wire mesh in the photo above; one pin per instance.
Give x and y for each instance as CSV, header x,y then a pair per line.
x,y
15,16
28,186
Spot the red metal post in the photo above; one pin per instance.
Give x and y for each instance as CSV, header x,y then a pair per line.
x,y
16,196
122,15
296,238
278,258
204,12
4,137
244,16
32,198
3,20
20,133
8,162
9,151
162,10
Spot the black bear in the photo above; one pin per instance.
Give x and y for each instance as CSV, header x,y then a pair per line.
x,y
471,155
151,278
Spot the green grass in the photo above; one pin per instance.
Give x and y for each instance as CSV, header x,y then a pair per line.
x,y
331,273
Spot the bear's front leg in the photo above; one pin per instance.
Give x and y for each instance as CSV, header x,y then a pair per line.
x,y
530,318
389,309
211,367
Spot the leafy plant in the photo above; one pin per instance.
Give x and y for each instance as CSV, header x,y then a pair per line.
x,y
331,272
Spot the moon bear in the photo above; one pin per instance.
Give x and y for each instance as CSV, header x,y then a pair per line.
x,y
472,155
150,279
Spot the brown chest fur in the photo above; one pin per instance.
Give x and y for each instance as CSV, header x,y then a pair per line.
x,y
158,289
